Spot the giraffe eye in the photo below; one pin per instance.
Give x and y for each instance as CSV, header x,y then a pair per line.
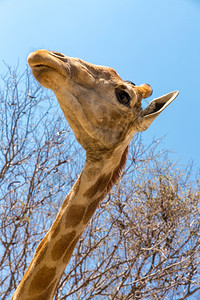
x,y
123,97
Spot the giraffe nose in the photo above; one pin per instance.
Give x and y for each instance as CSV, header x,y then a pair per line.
x,y
57,54
145,90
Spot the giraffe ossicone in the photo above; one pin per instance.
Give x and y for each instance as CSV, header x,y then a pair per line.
x,y
104,113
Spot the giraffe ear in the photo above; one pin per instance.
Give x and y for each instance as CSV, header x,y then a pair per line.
x,y
155,107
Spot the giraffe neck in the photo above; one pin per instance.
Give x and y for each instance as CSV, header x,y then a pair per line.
x,y
55,250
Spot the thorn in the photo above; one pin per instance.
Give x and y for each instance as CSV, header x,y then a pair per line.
x,y
31,97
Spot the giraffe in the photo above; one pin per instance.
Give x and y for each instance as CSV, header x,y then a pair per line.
x,y
104,113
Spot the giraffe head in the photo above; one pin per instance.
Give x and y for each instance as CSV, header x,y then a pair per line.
x,y
102,109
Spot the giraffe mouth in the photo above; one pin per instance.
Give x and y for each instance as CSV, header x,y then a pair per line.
x,y
156,106
42,60
42,67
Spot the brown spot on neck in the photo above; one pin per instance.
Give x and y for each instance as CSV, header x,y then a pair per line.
x,y
70,250
42,280
62,245
47,294
74,215
99,186
91,210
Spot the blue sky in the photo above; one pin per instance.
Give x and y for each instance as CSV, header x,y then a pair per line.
x,y
155,42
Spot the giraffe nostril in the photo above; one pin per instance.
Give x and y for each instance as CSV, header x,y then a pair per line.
x,y
58,54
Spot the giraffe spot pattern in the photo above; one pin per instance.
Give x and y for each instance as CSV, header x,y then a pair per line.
x,y
90,210
42,280
74,215
41,244
62,245
66,201
41,251
41,255
98,186
70,250
56,227
46,294
75,188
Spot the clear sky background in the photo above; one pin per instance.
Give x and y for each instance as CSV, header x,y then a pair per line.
x,y
146,41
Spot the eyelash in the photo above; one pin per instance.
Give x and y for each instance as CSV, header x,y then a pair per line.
x,y
123,97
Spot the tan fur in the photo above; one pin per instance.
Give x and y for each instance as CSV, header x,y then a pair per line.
x,y
91,98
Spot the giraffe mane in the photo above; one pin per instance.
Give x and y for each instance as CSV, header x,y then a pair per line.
x,y
117,172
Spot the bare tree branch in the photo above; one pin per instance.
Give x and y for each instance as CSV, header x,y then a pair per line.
x,y
143,242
